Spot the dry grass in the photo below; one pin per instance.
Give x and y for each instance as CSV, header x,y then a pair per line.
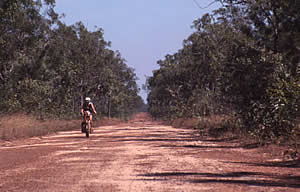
x,y
215,125
185,122
222,126
23,126
201,123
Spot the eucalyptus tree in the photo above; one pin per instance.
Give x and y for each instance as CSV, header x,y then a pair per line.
x,y
23,32
272,59
238,57
48,67
189,80
85,66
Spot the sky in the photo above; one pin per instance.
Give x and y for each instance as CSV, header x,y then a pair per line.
x,y
143,31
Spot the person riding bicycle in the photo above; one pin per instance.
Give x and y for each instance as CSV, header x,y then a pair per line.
x,y
87,109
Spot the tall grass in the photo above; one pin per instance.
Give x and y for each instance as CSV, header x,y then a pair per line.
x,y
222,126
22,126
18,126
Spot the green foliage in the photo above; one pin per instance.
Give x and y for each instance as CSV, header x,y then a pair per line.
x,y
243,58
47,67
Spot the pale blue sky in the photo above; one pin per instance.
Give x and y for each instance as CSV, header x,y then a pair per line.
x,y
144,31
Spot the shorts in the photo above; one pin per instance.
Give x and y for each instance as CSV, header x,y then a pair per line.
x,y
87,113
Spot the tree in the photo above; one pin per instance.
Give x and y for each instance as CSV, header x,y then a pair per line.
x,y
229,62
48,67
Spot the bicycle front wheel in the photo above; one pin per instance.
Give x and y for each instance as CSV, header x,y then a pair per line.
x,y
88,129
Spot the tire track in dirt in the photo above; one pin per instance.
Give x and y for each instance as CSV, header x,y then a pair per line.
x,y
140,156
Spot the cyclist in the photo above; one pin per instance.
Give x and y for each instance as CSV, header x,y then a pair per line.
x,y
86,110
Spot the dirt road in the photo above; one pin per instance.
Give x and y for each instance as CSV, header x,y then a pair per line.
x,y
141,156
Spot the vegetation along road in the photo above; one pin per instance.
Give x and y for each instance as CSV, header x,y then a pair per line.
x,y
141,155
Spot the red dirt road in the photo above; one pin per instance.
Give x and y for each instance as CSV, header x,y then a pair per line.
x,y
141,156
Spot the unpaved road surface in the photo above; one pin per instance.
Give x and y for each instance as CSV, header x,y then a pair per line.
x,y
141,156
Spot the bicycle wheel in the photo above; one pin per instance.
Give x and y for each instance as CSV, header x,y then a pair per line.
x,y
88,129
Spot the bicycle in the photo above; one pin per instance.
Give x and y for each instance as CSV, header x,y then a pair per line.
x,y
86,125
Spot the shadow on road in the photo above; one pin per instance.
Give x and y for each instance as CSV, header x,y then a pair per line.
x,y
259,179
282,164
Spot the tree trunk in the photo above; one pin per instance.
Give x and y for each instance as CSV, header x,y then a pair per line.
x,y
108,106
